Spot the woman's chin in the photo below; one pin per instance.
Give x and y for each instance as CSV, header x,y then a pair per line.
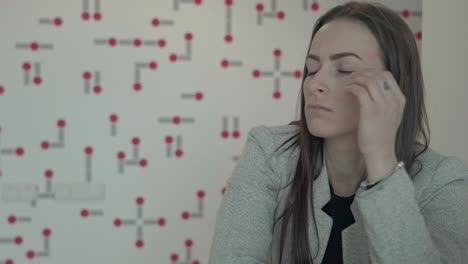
x,y
320,132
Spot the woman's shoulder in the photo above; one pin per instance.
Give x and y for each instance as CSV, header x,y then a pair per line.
x,y
433,160
276,129
437,171
273,136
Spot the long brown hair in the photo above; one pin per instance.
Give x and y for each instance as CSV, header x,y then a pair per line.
x,y
399,53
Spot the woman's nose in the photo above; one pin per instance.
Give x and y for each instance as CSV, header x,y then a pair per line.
x,y
317,89
317,86
319,82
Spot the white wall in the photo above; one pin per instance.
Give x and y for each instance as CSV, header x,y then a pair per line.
x,y
445,64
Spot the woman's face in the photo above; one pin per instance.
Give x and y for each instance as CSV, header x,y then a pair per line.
x,y
326,78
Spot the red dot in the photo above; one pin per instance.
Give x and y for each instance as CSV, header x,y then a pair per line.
x,y
281,15
85,15
223,191
140,200
61,123
9,261
19,151
161,221
236,134
97,16
256,73
88,150
228,38
225,134
58,21
26,66
97,89
113,118
37,80
176,120
117,222
11,219
297,74
188,243
112,41
198,96
277,95
169,139
143,162
185,215
179,153
137,87
137,42
200,194
155,22
161,43
419,35
49,174
277,52
229,2
87,75
46,232
121,155
196,262
34,46
135,141
173,57
45,145
224,63
2,90
259,7
139,243
30,254
153,65
198,2
315,6
174,257
188,36
84,213
405,13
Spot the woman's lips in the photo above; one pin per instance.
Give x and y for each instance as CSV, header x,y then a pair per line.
x,y
316,107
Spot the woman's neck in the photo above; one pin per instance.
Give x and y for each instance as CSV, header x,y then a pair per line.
x,y
345,166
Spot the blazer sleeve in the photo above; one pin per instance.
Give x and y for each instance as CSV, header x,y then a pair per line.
x,y
243,230
401,229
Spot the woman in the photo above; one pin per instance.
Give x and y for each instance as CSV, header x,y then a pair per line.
x,y
355,185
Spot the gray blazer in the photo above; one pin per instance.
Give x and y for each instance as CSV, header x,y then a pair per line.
x,y
397,221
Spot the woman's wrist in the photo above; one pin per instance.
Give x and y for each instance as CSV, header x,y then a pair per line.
x,y
367,184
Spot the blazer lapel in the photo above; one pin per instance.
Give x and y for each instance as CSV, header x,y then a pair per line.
x,y
324,222
355,242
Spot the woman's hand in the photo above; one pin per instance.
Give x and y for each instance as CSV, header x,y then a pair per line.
x,y
381,109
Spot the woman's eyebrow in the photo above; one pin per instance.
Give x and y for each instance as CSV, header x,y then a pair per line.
x,y
334,56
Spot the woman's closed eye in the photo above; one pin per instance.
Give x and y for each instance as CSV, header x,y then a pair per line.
x,y
340,71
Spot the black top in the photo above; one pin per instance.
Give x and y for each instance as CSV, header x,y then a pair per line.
x,y
338,208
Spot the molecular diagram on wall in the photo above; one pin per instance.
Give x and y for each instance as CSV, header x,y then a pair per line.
x,y
51,186
31,253
123,161
139,222
60,143
36,68
87,76
276,73
95,10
